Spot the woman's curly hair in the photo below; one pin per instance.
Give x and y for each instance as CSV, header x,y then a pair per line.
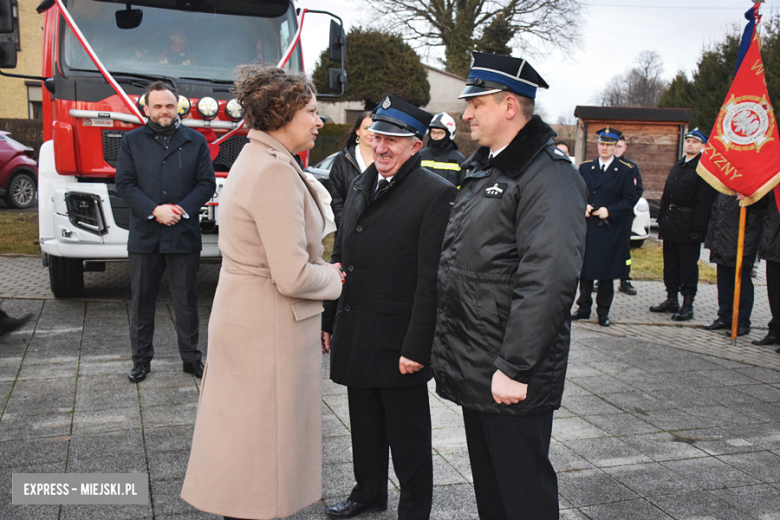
x,y
271,96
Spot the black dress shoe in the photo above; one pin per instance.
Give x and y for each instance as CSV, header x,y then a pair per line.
x,y
718,324
741,331
626,287
347,508
769,339
604,321
581,314
139,372
9,324
195,368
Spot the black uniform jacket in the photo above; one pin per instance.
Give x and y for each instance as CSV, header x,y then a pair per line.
x,y
686,204
342,173
640,188
445,163
149,174
770,241
606,250
723,231
389,249
508,275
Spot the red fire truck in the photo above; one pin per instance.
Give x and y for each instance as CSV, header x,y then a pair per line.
x,y
98,56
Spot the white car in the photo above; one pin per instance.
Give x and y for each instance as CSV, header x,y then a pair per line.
x,y
640,229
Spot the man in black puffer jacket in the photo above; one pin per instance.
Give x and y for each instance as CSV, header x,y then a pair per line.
x,y
721,240
507,277
442,156
683,216
769,250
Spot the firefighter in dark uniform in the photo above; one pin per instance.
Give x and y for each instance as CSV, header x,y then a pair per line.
x,y
611,200
389,244
442,156
683,217
620,150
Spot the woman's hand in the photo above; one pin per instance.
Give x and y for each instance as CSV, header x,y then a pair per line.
x,y
339,270
325,339
407,366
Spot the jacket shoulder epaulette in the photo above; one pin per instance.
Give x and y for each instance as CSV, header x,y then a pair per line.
x,y
586,162
624,162
556,153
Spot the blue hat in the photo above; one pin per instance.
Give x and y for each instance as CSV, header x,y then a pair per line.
x,y
397,117
491,73
697,134
609,135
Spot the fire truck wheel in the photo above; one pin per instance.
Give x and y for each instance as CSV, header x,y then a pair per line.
x,y
66,276
21,191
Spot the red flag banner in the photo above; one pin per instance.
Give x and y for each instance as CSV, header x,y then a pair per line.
x,y
743,152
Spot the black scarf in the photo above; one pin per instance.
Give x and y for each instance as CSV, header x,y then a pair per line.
x,y
166,132
442,146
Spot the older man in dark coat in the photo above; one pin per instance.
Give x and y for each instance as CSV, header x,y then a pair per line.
x,y
611,199
164,173
389,244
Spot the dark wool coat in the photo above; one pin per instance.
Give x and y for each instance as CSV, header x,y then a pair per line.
x,y
723,232
149,174
770,240
342,173
606,249
445,163
389,247
508,274
640,188
686,204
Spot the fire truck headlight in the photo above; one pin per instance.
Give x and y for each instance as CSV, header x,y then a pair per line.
x,y
184,106
234,110
208,107
141,103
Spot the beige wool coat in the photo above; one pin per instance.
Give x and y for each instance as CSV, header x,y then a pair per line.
x,y
257,446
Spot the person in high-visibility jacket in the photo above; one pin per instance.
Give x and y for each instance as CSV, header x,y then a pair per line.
x,y
442,156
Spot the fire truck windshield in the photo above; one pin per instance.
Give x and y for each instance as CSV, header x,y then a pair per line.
x,y
180,44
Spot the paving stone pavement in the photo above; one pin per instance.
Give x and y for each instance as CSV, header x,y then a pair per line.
x,y
658,421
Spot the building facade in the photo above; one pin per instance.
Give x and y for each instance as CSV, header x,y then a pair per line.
x,y
21,98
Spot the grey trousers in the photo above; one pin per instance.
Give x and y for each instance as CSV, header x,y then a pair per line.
x,y
146,271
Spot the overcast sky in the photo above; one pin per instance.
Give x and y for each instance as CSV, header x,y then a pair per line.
x,y
613,33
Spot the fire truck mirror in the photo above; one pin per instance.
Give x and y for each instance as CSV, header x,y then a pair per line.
x,y
336,79
6,17
129,18
7,55
337,50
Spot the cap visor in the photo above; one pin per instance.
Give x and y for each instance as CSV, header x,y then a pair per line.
x,y
385,128
473,90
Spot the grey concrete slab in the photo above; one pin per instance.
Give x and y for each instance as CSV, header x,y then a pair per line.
x,y
169,465
109,420
18,426
634,509
760,501
766,435
763,465
590,405
622,424
710,473
31,452
167,500
170,415
663,446
651,479
607,451
571,428
716,441
693,506
168,438
592,486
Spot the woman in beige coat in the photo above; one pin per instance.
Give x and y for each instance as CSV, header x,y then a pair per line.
x,y
257,447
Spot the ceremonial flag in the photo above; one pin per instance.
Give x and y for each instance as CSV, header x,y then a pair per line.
x,y
743,151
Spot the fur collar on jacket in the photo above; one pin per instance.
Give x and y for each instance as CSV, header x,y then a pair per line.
x,y
516,157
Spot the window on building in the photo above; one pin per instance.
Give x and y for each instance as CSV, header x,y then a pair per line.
x,y
34,99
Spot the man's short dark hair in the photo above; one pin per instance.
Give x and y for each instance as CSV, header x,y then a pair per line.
x,y
526,103
160,85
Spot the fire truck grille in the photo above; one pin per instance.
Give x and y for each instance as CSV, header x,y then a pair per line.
x,y
112,140
228,152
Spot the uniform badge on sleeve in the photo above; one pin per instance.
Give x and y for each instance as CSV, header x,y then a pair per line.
x,y
496,191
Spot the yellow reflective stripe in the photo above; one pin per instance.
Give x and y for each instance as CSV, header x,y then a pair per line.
x,y
628,262
441,165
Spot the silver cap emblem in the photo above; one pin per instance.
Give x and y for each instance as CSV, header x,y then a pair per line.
x,y
386,103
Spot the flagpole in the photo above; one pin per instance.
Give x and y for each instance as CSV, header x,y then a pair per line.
x,y
738,275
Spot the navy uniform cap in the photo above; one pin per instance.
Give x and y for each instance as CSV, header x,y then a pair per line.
x,y
697,134
396,117
609,135
491,73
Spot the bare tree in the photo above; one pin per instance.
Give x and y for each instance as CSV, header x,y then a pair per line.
x,y
640,86
463,25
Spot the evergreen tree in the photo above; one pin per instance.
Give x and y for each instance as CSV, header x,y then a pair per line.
x,y
496,36
378,64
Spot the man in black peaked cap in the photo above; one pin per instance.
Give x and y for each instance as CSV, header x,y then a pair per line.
x,y
507,277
